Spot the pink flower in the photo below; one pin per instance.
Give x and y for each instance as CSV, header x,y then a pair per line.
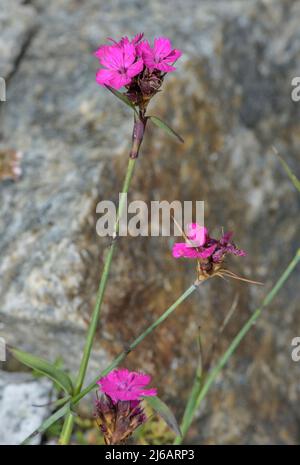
x,y
200,245
120,63
124,385
135,65
183,249
161,56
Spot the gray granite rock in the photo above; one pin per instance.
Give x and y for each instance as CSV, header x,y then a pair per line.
x,y
230,99
19,415
17,24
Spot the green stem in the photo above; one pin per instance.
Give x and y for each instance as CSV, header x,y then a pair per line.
x,y
134,344
67,430
201,387
190,406
102,286
69,420
68,425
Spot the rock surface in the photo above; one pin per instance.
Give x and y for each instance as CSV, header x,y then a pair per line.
x,y
18,415
230,99
17,28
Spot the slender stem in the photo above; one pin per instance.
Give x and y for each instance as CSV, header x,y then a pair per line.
x,y
69,420
201,387
190,406
139,127
288,170
135,343
67,430
102,286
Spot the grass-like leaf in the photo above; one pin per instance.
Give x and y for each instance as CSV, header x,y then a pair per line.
x,y
116,362
45,368
161,124
288,170
164,412
122,97
48,422
200,389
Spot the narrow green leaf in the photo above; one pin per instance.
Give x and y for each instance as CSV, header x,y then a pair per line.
x,y
197,397
55,403
161,124
122,97
45,368
116,362
48,422
164,412
288,170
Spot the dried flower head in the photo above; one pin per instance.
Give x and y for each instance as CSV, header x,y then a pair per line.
x,y
118,408
209,252
117,421
136,65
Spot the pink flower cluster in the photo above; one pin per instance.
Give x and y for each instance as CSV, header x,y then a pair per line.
x,y
123,385
119,411
200,245
124,60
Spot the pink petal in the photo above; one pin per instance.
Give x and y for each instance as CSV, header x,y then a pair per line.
x,y
235,251
148,392
149,63
100,51
111,57
104,76
207,252
144,48
121,384
141,379
137,38
162,47
226,237
163,66
119,80
180,249
123,41
174,55
121,395
121,374
135,68
129,54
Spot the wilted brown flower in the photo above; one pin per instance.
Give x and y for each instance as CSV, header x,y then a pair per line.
x,y
119,420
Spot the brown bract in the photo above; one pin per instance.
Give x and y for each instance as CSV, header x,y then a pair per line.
x,y
117,421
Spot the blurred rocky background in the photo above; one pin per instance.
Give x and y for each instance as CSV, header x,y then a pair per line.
x,y
230,99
